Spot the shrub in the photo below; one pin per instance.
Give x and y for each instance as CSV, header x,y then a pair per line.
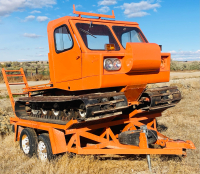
x,y
184,66
8,64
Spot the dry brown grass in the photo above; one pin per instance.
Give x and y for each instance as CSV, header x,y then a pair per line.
x,y
181,122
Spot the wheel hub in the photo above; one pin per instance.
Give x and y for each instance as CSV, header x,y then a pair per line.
x,y
42,152
25,144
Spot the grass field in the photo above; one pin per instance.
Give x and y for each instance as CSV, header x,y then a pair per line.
x,y
180,122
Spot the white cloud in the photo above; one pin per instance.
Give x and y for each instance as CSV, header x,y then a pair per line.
x,y
39,48
29,18
40,55
39,3
78,6
185,55
138,9
31,35
9,6
155,10
104,9
35,11
107,2
42,18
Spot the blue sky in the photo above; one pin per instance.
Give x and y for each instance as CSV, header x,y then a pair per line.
x,y
174,24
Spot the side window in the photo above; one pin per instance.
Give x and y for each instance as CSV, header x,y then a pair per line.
x,y
63,39
131,36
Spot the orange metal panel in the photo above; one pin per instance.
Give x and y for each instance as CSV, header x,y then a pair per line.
x,y
180,144
132,151
57,139
143,57
65,65
18,132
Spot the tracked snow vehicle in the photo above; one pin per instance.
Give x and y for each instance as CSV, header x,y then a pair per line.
x,y
99,67
97,101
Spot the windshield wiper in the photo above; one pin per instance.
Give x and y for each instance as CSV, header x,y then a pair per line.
x,y
87,32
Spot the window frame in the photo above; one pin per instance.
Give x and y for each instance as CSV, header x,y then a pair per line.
x,y
98,49
57,51
140,32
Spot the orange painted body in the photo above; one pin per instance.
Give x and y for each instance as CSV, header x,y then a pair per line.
x,y
81,68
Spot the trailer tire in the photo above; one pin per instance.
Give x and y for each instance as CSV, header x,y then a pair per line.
x,y
28,141
132,137
44,150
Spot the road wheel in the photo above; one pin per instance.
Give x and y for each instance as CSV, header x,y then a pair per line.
x,y
82,112
44,150
28,141
45,113
57,114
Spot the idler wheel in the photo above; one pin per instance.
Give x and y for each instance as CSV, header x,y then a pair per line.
x,y
82,112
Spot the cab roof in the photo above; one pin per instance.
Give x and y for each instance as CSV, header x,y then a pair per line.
x,y
99,19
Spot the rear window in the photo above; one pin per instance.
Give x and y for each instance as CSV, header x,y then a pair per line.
x,y
128,34
96,36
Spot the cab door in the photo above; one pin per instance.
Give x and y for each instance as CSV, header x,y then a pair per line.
x,y
67,55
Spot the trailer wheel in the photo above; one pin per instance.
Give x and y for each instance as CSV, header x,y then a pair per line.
x,y
44,150
28,141
132,137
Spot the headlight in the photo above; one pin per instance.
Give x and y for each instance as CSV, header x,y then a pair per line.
x,y
111,64
108,64
116,64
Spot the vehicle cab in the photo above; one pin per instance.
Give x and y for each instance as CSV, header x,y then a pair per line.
x,y
92,53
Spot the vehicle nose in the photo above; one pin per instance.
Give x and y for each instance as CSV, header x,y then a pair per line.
x,y
143,57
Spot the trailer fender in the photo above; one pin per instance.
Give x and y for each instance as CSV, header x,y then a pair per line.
x,y
18,130
58,142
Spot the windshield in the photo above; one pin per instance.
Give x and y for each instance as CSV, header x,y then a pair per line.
x,y
128,34
96,36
